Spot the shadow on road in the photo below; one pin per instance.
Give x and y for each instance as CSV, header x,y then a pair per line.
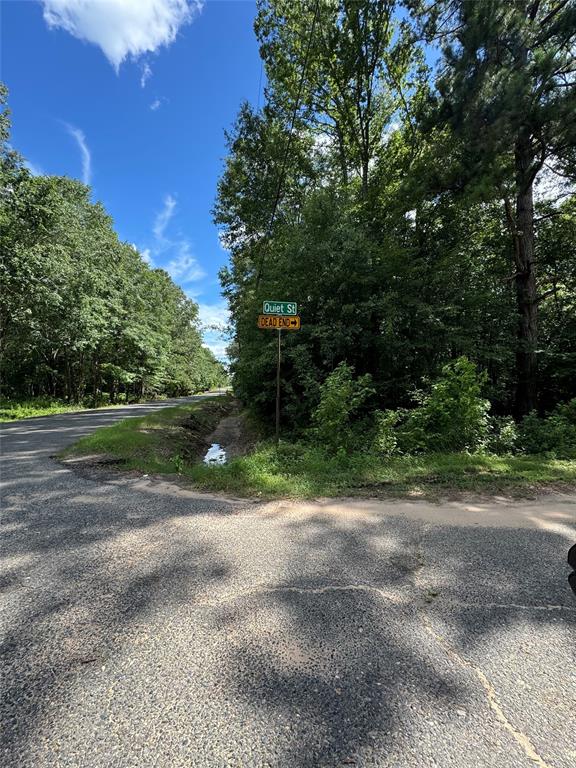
x,y
321,659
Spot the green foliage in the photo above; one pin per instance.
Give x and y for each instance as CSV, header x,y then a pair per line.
x,y
452,416
166,441
341,399
554,435
503,438
38,406
391,231
301,469
386,435
82,316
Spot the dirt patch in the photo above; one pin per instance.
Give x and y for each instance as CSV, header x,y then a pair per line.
x,y
556,513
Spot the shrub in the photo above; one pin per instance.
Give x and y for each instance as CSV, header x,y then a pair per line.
x,y
503,435
386,433
341,397
554,434
453,416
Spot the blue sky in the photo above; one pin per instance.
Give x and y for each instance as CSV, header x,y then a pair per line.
x,y
133,97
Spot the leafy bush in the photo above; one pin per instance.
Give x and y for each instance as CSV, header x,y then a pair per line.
x,y
386,433
341,398
452,417
503,435
554,435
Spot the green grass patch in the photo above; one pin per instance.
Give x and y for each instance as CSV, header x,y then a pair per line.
x,y
165,442
301,471
38,406
172,442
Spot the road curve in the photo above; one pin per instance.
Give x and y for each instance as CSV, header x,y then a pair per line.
x,y
144,625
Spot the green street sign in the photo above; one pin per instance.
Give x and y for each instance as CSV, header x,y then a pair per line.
x,y
280,308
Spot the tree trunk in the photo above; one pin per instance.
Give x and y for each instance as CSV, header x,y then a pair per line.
x,y
526,295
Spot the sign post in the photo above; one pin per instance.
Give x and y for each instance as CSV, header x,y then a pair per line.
x,y
278,387
280,316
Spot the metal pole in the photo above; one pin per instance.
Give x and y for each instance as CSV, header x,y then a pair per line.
x,y
278,390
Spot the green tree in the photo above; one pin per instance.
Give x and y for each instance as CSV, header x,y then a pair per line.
x,y
81,314
506,89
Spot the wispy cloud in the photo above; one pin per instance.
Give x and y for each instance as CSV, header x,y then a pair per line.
x,y
155,105
174,254
215,316
80,138
146,74
146,256
183,267
34,169
214,321
122,28
163,218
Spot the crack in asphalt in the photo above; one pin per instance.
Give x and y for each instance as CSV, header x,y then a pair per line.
x,y
490,692
368,588
521,739
515,606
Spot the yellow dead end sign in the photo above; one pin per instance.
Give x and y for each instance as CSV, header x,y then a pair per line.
x,y
279,322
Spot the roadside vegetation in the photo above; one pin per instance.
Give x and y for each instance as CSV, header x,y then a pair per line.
x,y
165,442
446,445
84,320
427,212
12,409
422,216
38,406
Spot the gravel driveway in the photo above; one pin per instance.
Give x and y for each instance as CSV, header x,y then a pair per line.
x,y
145,625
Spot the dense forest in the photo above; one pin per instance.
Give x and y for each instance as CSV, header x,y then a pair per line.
x,y
83,317
409,182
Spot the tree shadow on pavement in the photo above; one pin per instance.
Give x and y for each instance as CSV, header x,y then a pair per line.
x,y
381,668
330,657
80,578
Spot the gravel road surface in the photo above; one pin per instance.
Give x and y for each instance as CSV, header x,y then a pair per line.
x,y
145,625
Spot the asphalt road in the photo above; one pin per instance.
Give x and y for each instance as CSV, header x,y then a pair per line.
x,y
149,626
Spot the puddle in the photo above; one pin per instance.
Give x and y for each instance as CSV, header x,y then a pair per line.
x,y
215,455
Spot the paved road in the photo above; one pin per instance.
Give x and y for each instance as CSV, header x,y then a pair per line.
x,y
149,626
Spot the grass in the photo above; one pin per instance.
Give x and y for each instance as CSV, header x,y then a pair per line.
x,y
11,410
301,471
37,406
172,442
165,442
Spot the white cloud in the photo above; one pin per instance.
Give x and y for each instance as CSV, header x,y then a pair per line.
x,y
146,256
173,254
122,28
155,105
214,321
218,349
163,218
183,268
390,129
80,138
34,169
146,74
323,143
214,315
